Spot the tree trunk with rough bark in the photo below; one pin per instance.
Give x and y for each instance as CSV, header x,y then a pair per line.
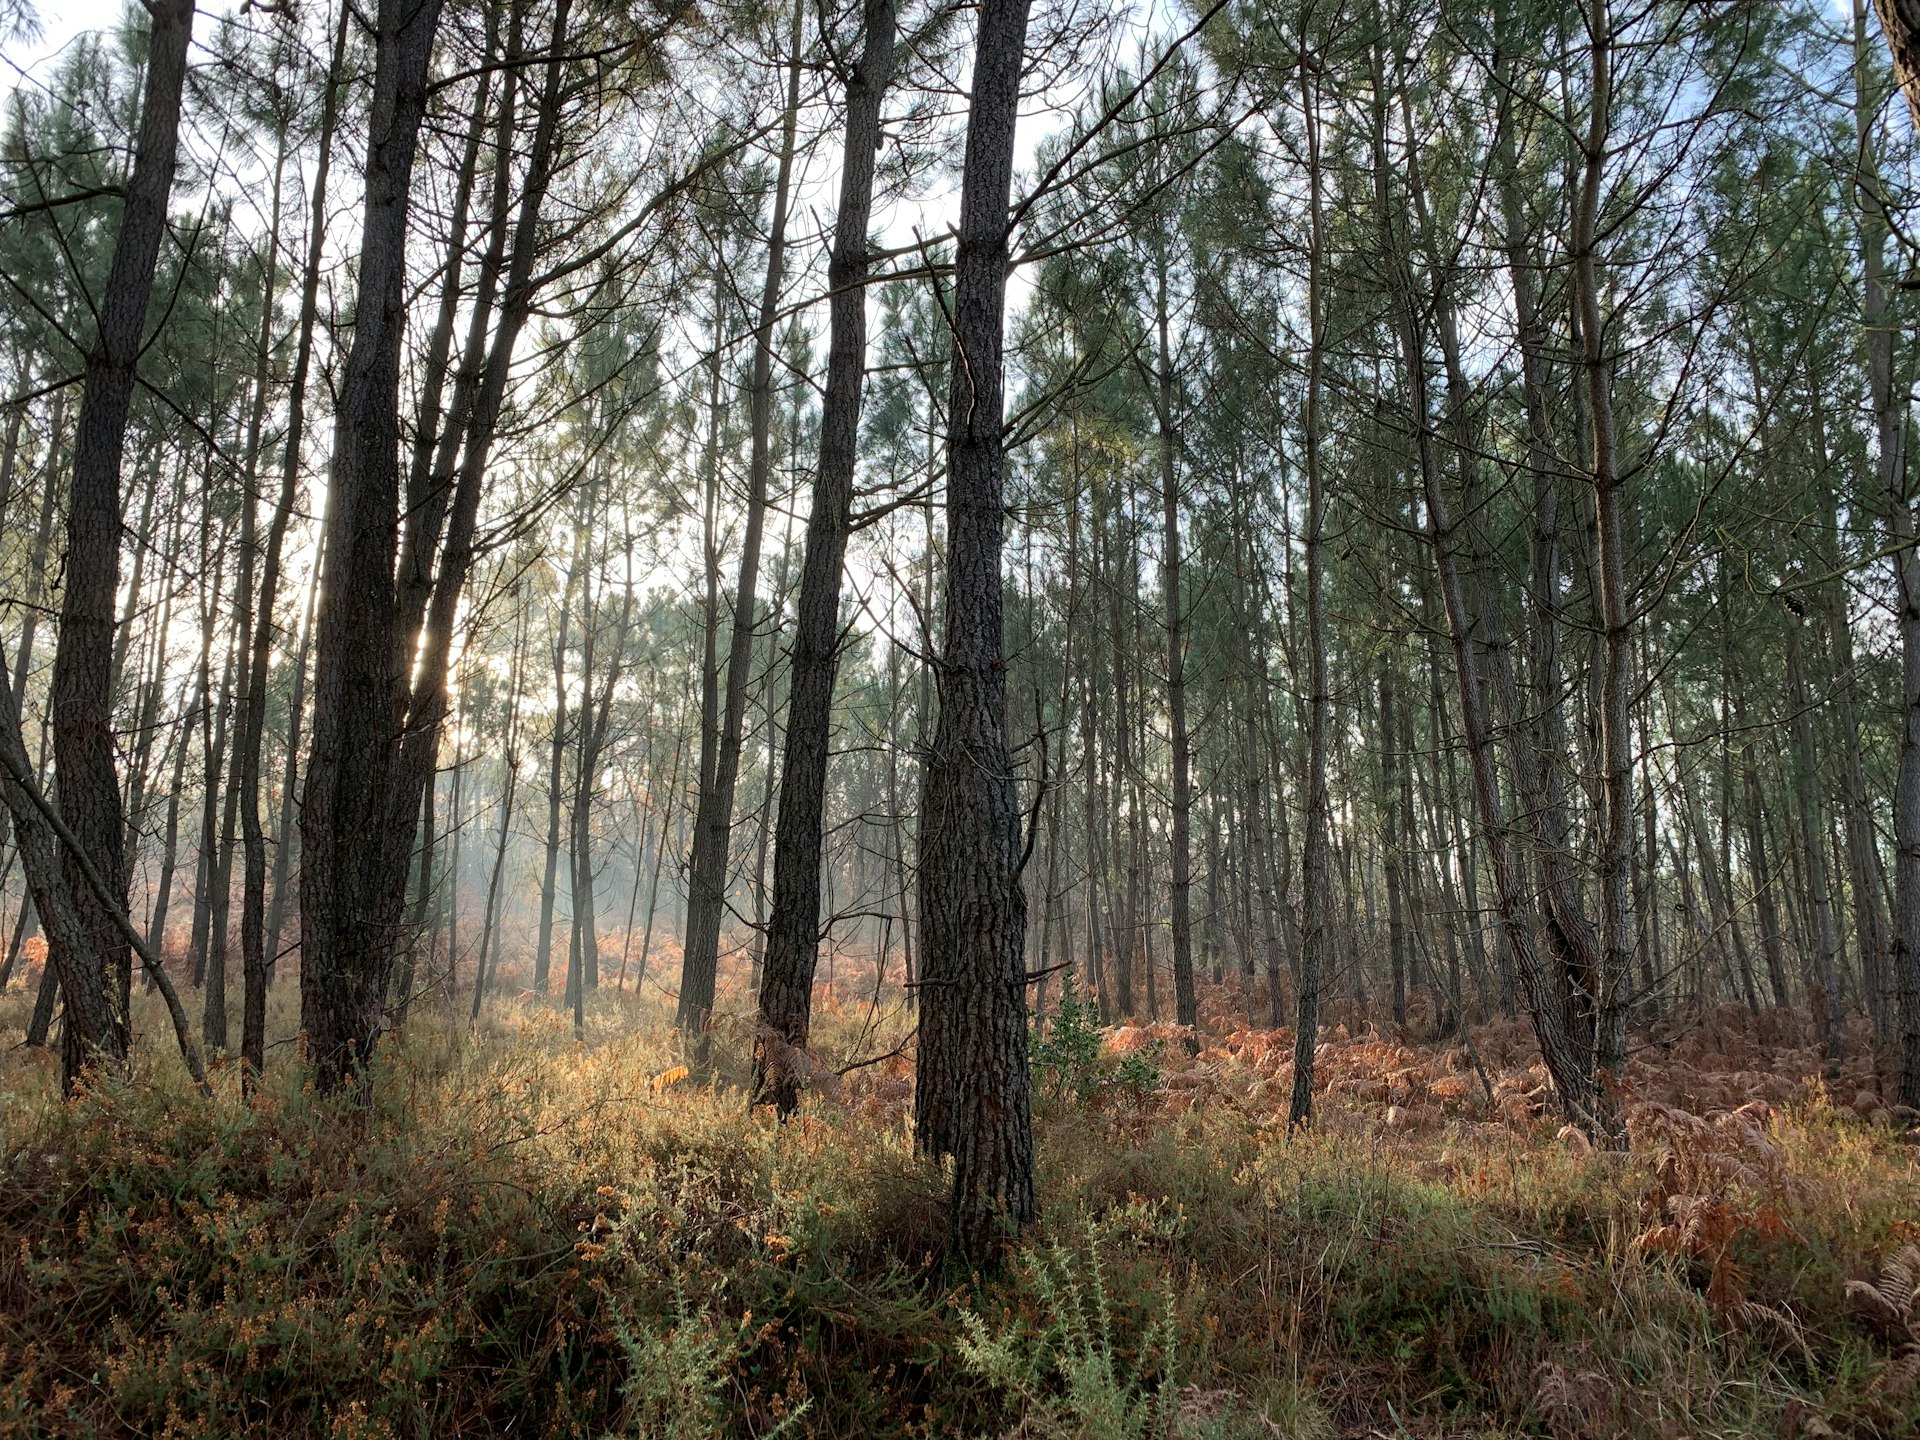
x,y
349,905
971,1104
793,931
96,968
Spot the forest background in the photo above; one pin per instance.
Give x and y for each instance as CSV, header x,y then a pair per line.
x,y
887,717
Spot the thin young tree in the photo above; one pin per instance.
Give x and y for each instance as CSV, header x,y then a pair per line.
x,y
713,818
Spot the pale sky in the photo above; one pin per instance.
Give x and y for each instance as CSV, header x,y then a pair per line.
x,y
60,21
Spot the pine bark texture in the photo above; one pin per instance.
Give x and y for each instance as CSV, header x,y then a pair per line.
x,y
793,936
1616,679
972,1100
1900,20
350,906
97,969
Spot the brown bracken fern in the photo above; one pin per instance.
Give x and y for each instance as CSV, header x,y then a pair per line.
x,y
1890,1306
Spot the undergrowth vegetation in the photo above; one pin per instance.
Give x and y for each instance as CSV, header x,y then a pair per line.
x,y
521,1234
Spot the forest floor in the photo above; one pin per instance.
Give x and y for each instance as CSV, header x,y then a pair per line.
x,y
524,1234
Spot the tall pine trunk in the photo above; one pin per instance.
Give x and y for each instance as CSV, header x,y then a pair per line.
x,y
793,931
349,908
1568,1062
256,935
972,1100
1616,738
1180,831
1314,877
90,953
1902,29
713,819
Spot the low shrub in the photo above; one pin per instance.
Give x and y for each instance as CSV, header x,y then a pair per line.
x,y
522,1233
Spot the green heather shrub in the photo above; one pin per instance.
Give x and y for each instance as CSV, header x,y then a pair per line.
x,y
679,1370
1071,1372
